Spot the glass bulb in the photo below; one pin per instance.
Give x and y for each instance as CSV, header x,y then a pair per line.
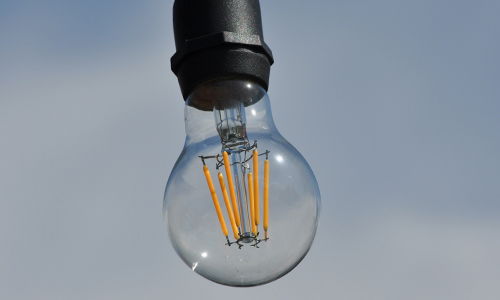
x,y
241,203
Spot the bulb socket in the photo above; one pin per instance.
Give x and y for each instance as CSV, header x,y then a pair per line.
x,y
219,39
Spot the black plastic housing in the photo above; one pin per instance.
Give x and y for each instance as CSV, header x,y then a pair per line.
x,y
219,39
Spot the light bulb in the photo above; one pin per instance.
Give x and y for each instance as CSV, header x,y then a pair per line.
x,y
241,202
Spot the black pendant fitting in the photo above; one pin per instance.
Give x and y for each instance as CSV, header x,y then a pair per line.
x,y
219,39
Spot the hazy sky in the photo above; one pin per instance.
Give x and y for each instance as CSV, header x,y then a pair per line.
x,y
395,104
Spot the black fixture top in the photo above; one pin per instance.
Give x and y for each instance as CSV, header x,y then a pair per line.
x,y
219,39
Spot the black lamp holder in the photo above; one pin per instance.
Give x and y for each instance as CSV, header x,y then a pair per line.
x,y
219,39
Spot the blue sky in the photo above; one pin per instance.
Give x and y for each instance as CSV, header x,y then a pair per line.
x,y
395,104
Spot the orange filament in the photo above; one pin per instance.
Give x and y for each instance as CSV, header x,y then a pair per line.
x,y
215,200
230,183
256,186
228,206
252,205
266,196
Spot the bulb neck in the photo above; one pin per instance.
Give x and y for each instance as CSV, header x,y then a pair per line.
x,y
223,93
233,109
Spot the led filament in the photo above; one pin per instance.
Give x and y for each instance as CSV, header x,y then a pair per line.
x,y
243,210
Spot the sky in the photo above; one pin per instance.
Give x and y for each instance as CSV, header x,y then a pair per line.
x,y
395,104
